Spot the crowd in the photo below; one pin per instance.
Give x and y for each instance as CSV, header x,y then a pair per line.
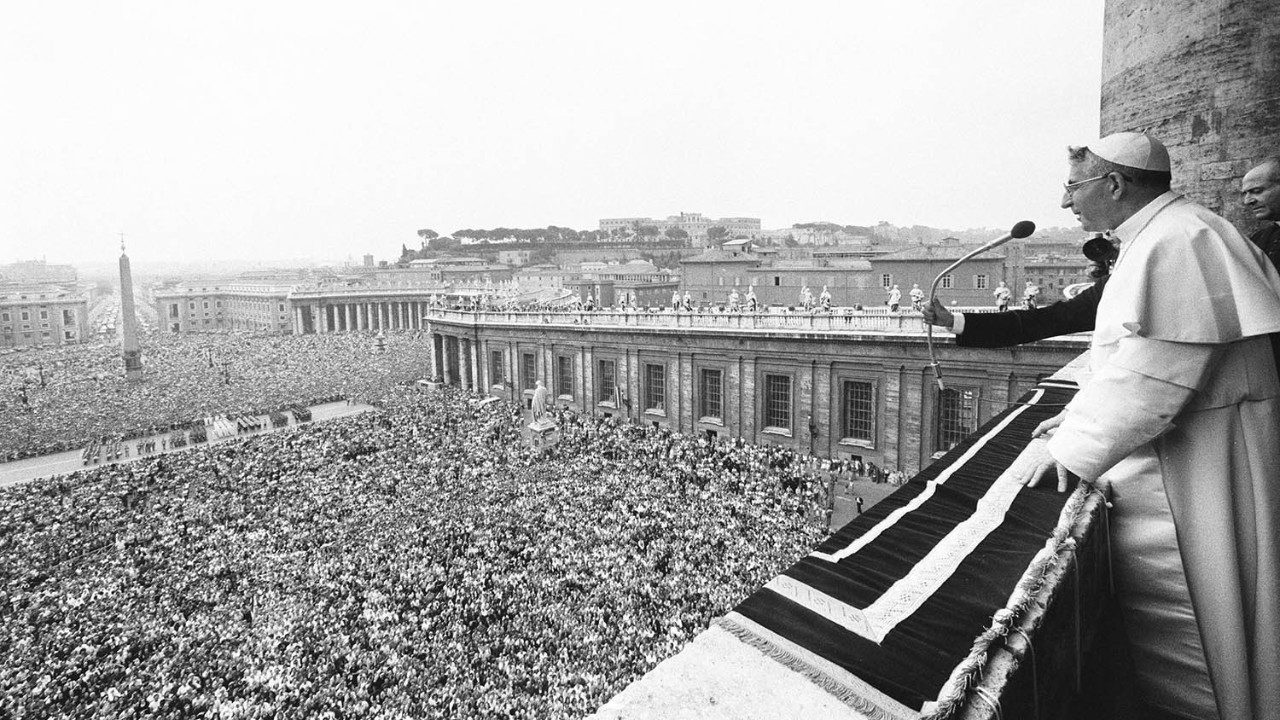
x,y
414,561
85,396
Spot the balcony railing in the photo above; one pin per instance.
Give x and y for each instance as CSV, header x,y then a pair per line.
x,y
874,320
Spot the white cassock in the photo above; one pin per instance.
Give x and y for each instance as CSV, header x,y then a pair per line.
x,y
1180,415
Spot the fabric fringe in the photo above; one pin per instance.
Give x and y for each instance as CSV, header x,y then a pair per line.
x,y
849,696
1059,548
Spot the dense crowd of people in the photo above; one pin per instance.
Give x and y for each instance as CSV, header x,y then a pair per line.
x,y
416,561
66,397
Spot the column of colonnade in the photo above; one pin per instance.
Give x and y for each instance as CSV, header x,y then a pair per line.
x,y
361,316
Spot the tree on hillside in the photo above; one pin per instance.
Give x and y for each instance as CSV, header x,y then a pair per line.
x,y
444,243
647,231
428,234
716,233
676,233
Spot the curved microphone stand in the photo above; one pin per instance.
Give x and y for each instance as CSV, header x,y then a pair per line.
x,y
1019,231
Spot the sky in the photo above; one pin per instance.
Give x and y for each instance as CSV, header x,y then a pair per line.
x,y
279,131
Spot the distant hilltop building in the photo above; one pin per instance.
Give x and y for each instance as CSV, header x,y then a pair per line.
x,y
695,224
37,272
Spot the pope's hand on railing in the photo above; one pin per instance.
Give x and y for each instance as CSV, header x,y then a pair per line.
x,y
1048,426
936,313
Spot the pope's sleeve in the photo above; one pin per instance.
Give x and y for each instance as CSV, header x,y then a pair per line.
x,y
1128,402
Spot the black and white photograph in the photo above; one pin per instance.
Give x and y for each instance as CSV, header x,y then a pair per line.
x,y
662,361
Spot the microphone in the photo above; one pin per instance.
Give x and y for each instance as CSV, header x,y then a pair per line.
x,y
1019,231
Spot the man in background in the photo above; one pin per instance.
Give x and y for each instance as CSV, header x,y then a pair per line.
x,y
1260,193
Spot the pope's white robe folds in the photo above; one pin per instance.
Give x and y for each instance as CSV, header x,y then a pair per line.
x,y
1180,415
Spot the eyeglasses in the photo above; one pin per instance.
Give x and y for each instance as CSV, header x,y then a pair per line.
x,y
1070,188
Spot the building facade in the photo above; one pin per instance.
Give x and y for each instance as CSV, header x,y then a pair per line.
x,y
1054,273
695,224
231,306
838,387
37,272
35,316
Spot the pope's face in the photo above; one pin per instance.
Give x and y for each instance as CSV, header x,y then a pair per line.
x,y
1089,197
1260,192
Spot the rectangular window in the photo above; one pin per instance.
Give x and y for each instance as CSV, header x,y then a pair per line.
x,y
68,317
886,281
655,387
946,281
710,393
496,376
608,381
857,410
980,282
6,317
564,376
777,401
26,315
528,371
44,314
957,416
777,281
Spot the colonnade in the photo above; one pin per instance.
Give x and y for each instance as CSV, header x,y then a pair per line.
x,y
456,360
370,316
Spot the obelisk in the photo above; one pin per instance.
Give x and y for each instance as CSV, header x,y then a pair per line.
x,y
128,321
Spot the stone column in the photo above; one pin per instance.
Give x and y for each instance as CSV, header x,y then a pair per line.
x,y
437,355
467,349
1203,77
589,398
351,317
450,348
746,399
